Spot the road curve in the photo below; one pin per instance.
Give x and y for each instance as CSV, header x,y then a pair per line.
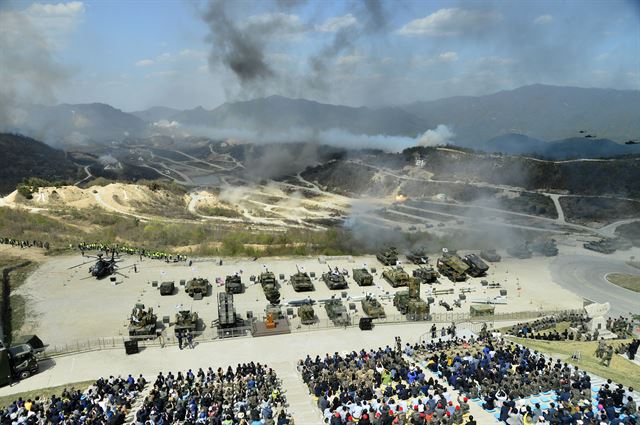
x,y
585,276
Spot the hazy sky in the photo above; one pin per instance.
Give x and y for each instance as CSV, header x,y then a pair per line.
x,y
137,54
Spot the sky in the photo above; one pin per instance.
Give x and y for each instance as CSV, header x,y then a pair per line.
x,y
182,54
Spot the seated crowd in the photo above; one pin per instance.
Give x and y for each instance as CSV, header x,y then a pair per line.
x,y
250,394
545,328
107,401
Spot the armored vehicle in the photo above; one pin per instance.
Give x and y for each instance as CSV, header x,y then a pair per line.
x,y
490,255
334,279
167,288
306,314
521,251
197,286
396,276
546,247
233,284
362,277
270,286
372,307
418,256
388,257
408,302
477,267
226,311
603,246
452,266
142,322
301,281
337,312
426,274
186,321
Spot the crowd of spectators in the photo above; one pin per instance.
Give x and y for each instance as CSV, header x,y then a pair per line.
x,y
21,243
118,249
107,401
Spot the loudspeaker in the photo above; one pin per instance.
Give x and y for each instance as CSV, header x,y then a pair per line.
x,y
131,347
366,323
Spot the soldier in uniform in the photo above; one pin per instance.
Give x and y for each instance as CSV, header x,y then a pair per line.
x,y
608,355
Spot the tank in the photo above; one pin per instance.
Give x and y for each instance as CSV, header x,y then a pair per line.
x,y
362,277
426,274
301,281
197,285
142,322
307,314
546,247
337,312
233,284
186,320
334,279
490,255
270,286
388,257
396,276
409,303
418,256
477,267
452,266
521,251
372,307
603,246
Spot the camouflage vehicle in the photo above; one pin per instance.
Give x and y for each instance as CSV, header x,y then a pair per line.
x,y
452,266
306,314
603,246
546,247
388,257
334,279
418,256
373,308
521,251
477,267
142,322
233,284
426,274
301,281
186,321
226,311
408,302
275,311
270,286
167,288
197,286
362,277
396,276
337,312
490,255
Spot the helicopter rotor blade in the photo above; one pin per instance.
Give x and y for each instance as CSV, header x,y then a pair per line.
x,y
81,264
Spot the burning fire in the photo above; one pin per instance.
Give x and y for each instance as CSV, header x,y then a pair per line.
x,y
400,197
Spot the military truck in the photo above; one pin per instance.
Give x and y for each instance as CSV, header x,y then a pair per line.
x,y
337,312
186,321
306,314
362,277
426,274
409,303
142,322
520,251
270,286
372,307
167,288
17,362
301,281
490,255
388,257
546,247
452,266
197,287
233,284
396,276
418,256
477,267
334,279
603,246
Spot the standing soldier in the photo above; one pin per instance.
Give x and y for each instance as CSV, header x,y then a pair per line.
x,y
608,355
600,348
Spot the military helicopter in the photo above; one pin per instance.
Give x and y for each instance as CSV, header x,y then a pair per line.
x,y
102,267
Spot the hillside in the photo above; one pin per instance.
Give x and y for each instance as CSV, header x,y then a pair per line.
x,y
23,157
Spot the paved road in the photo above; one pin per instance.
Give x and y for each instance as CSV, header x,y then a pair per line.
x,y
585,275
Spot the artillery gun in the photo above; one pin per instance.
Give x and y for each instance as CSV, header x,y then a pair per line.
x,y
362,277
233,284
418,256
490,255
408,302
546,247
186,321
388,257
270,286
142,322
521,251
426,274
396,276
301,281
452,266
307,314
372,307
477,267
337,312
197,286
334,279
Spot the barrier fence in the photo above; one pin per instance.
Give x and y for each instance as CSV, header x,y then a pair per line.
x,y
212,333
